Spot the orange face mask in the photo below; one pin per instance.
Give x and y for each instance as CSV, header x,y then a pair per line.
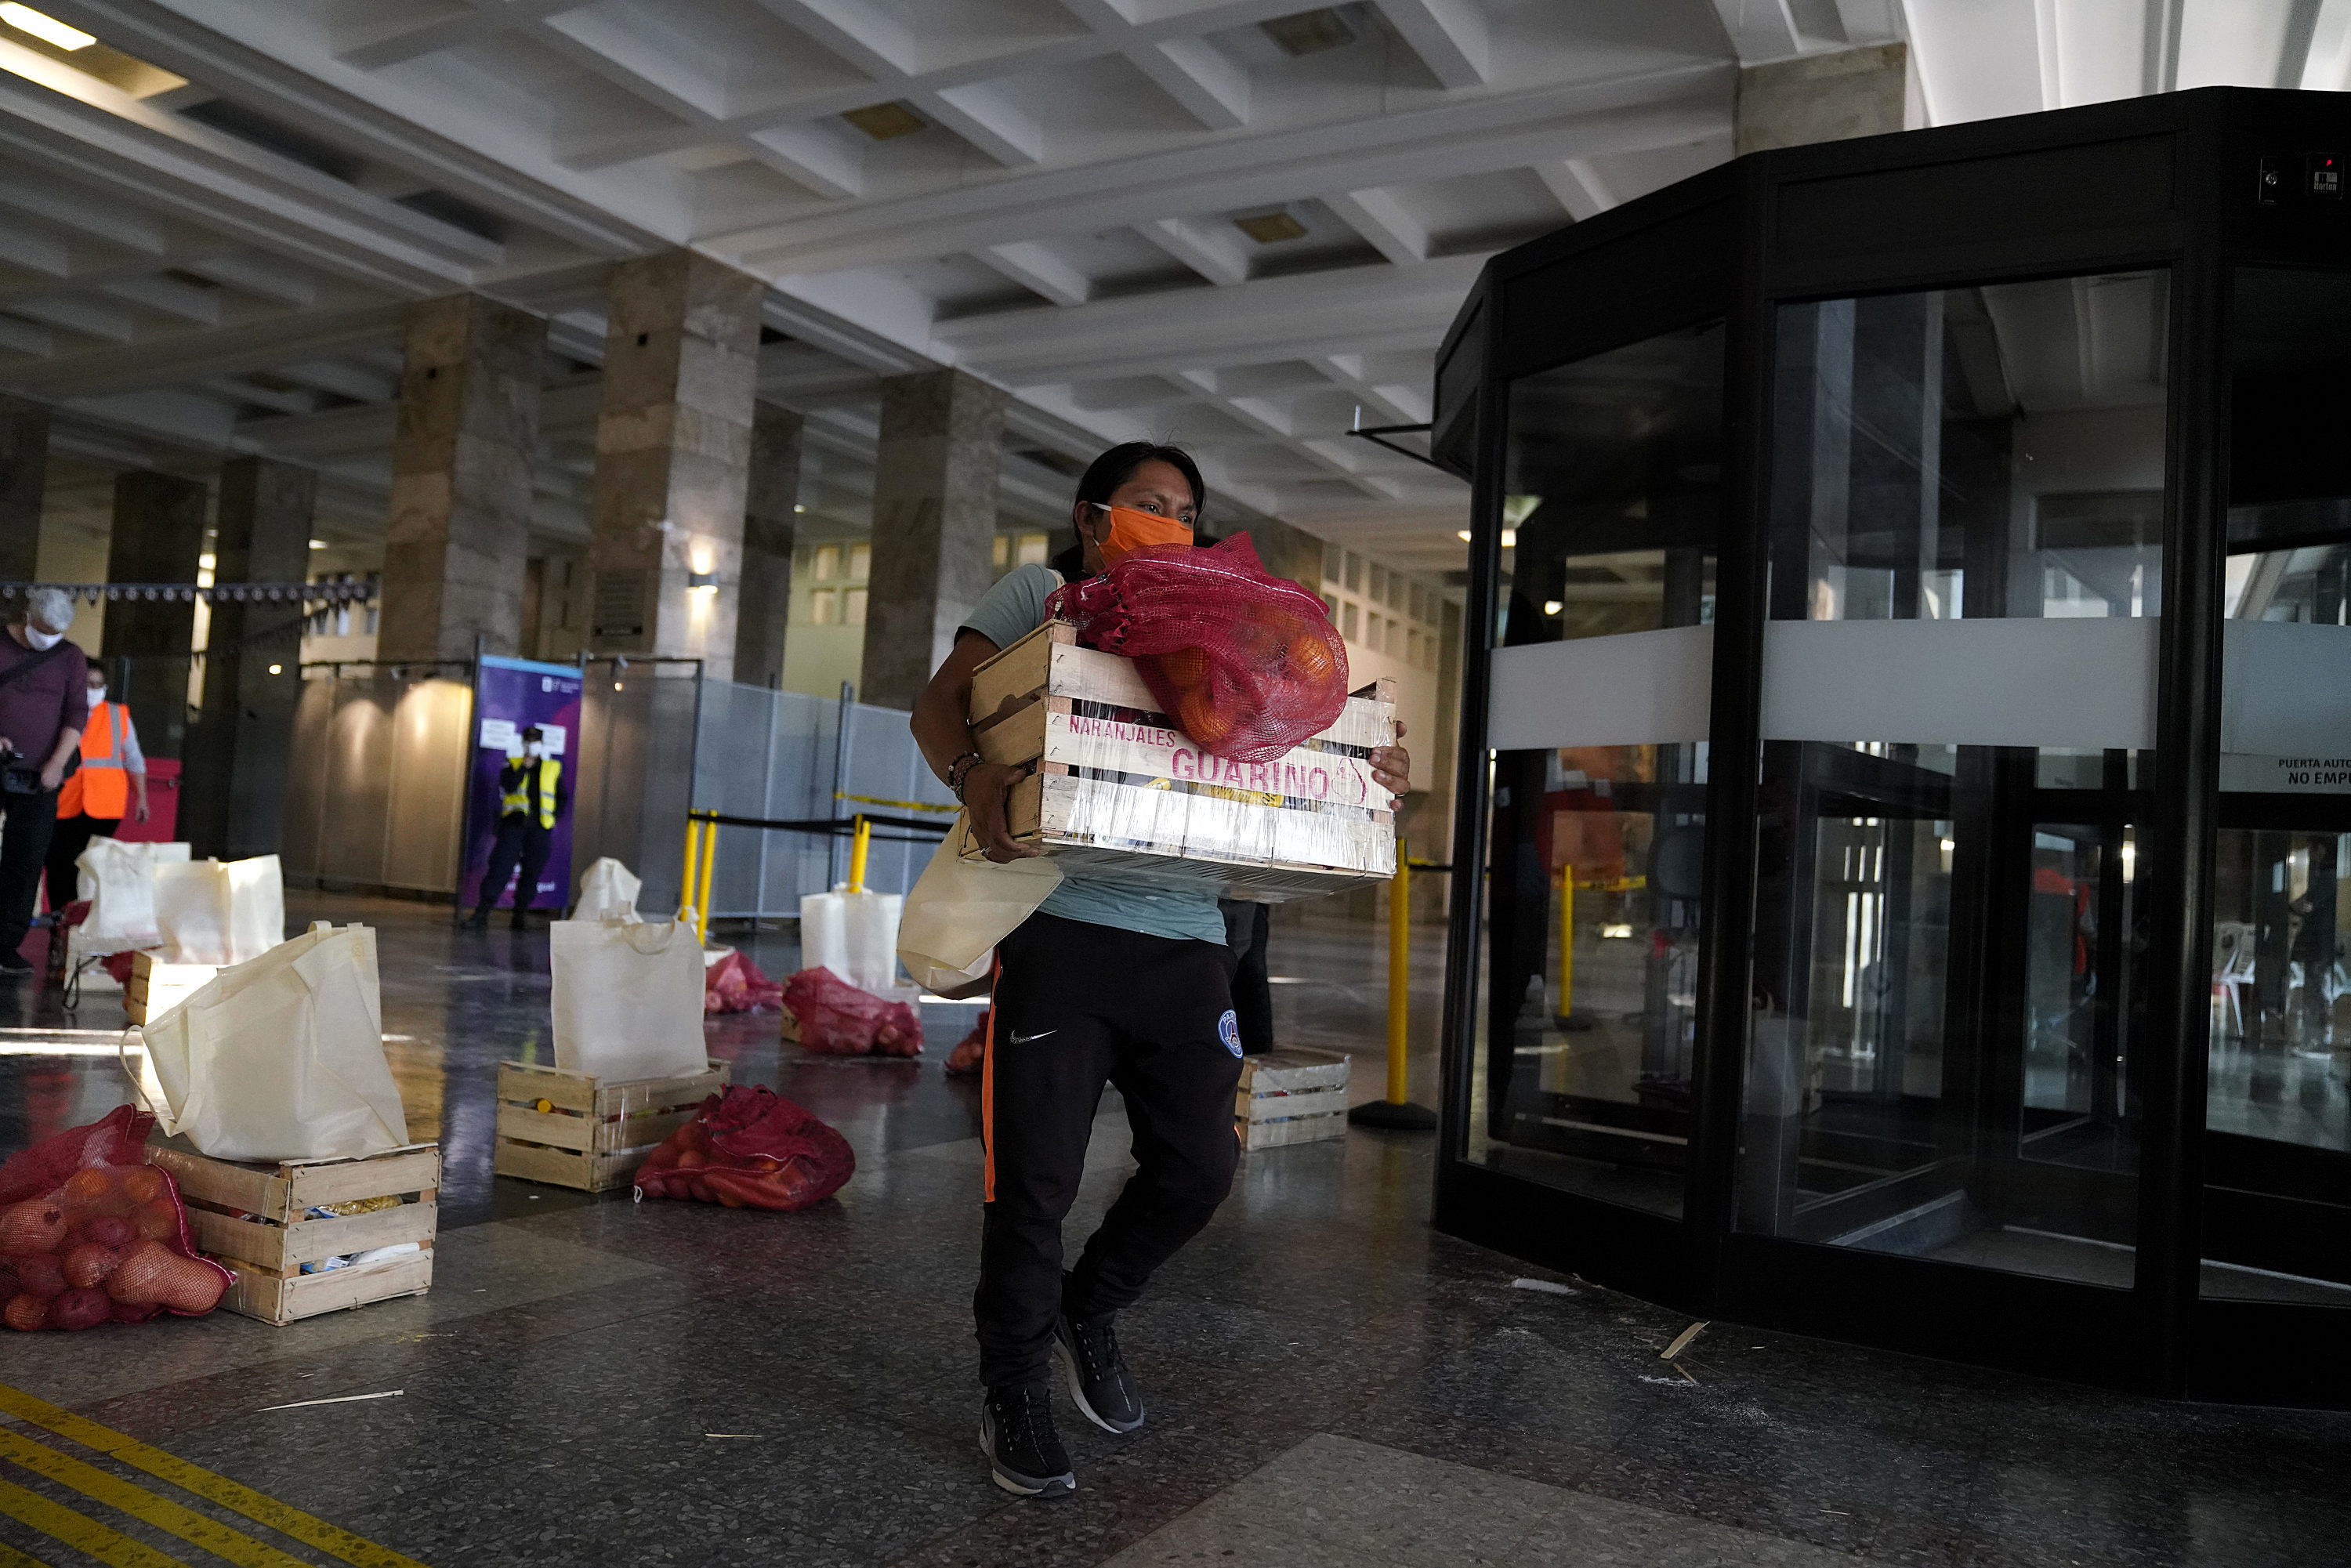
x,y
1131,531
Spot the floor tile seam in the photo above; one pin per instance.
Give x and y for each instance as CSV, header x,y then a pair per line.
x,y
1872,1518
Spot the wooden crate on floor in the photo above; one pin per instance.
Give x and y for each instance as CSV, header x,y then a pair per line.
x,y
156,987
1119,788
256,1218
1290,1097
574,1129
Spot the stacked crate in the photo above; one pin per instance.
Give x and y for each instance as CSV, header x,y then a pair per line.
x,y
1290,1097
573,1129
265,1219
156,987
1115,785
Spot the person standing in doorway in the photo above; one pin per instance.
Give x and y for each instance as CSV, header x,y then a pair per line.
x,y
110,783
531,798
44,700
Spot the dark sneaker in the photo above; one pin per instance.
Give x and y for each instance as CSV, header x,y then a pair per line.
x,y
1098,1380
1024,1452
14,963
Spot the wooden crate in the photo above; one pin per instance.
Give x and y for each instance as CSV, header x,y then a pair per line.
x,y
1290,1097
267,1249
574,1129
1117,786
156,987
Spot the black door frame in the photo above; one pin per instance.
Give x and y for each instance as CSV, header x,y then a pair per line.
x,y
2140,185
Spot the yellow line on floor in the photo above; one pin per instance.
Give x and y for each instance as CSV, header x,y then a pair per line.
x,y
197,1529
284,1518
78,1531
12,1558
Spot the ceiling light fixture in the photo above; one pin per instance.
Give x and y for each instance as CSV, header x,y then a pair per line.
x,y
318,544
884,121
1310,31
1510,537
49,29
1270,228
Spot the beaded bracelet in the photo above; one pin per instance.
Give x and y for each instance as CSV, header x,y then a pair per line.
x,y
959,769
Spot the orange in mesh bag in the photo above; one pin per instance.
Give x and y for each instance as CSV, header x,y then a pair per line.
x,y
1247,664
91,1232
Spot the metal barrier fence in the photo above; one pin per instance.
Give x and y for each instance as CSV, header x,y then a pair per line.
x,y
767,755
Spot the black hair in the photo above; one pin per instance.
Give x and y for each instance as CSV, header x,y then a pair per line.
x,y
1116,466
1113,468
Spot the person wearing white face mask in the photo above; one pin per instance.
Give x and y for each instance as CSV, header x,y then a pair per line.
x,y
43,701
531,798
110,785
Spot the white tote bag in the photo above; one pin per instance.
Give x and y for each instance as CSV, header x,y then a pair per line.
x,y
959,909
280,1059
608,892
220,912
627,998
119,880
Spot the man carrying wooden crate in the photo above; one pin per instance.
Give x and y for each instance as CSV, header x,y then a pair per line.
x,y
1113,980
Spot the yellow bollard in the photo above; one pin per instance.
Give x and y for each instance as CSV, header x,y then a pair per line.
x,y
1566,940
1398,1112
693,864
857,847
702,889
1399,974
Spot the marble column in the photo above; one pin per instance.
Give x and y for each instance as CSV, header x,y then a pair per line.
x,y
24,472
674,439
232,803
935,498
459,536
157,537
764,604
1824,97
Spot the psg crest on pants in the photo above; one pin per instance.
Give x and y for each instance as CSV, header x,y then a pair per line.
x,y
1228,1030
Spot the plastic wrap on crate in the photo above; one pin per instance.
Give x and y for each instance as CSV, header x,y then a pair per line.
x,y
1117,784
1164,821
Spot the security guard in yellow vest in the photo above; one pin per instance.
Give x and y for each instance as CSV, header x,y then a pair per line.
x,y
531,798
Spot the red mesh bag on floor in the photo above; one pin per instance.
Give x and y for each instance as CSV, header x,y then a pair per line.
x,y
750,1148
1247,664
836,1019
91,1233
734,985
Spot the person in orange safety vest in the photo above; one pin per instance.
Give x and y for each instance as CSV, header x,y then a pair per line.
x,y
110,783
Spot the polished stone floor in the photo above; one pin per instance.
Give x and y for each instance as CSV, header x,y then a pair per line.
x,y
595,1382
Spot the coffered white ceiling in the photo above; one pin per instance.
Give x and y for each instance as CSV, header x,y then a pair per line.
x,y
1231,223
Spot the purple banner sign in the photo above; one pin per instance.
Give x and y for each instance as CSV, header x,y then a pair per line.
x,y
510,696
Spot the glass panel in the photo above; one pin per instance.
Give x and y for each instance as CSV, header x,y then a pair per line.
x,y
1615,474
2277,1216
1946,943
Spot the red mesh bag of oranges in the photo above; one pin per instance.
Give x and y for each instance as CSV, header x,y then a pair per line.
x,y
91,1233
1247,664
749,1148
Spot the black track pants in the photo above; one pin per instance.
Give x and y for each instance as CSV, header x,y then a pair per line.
x,y
520,840
1077,1006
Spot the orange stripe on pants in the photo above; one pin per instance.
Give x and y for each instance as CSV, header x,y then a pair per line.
x,y
988,1090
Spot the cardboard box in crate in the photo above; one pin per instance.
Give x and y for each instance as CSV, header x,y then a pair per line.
x,y
256,1218
1117,785
574,1129
1290,1097
156,987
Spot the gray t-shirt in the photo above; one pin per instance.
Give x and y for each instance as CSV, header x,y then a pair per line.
x,y
1010,611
